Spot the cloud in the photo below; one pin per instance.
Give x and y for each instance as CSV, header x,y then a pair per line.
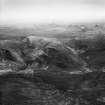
x,y
28,2
52,10
95,2
10,4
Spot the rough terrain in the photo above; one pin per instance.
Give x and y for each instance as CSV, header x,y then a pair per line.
x,y
61,65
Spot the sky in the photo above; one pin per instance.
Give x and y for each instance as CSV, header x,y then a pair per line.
x,y
48,11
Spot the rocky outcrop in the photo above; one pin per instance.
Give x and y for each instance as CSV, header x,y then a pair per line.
x,y
59,75
43,52
51,51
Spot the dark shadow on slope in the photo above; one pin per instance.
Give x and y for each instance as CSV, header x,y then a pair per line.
x,y
91,49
